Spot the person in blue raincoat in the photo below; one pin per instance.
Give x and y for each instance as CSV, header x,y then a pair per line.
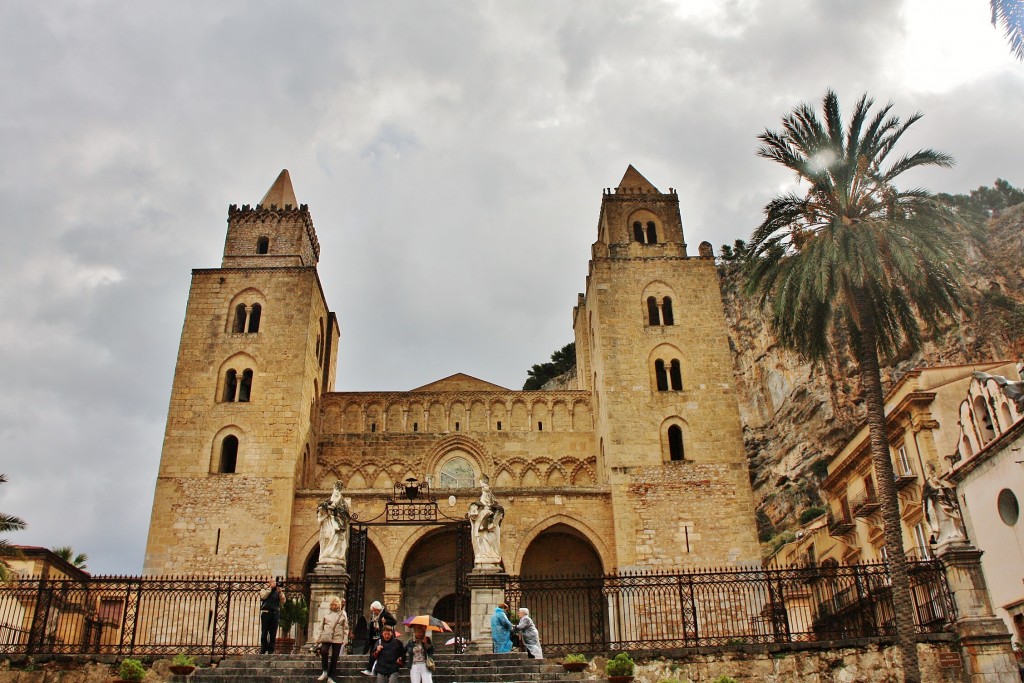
x,y
501,629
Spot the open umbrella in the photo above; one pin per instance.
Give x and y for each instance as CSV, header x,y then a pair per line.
x,y
432,623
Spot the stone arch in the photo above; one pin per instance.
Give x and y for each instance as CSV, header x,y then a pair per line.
x,y
556,475
664,437
564,524
531,477
579,472
247,297
374,417
217,444
499,415
541,414
561,421
458,419
352,420
332,418
477,417
665,353
520,417
582,417
645,217
478,456
395,412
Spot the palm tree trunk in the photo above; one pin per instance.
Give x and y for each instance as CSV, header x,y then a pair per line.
x,y
903,604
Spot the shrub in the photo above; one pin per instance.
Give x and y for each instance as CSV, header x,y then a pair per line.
x,y
575,659
182,659
131,670
811,513
621,665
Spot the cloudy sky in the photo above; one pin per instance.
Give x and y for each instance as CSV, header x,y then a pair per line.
x,y
452,154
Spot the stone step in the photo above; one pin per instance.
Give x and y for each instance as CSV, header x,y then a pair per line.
x,y
451,668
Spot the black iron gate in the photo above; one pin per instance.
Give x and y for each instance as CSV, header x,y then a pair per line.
x,y
412,504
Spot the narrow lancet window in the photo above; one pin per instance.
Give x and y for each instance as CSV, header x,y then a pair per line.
x,y
666,311
676,376
652,233
228,455
245,387
675,443
652,311
661,376
254,318
230,386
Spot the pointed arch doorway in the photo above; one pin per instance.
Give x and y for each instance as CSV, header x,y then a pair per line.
x,y
434,571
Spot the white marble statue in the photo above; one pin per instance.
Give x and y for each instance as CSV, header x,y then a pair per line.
x,y
942,511
485,515
333,516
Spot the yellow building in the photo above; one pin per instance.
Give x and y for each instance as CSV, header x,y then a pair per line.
x,y
639,465
923,415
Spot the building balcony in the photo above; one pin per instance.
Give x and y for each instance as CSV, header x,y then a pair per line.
x,y
840,526
865,505
903,480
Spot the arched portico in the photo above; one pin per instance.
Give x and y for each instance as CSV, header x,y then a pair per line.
x,y
578,534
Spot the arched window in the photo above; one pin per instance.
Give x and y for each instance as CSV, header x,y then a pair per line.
x,y
245,387
263,245
965,447
984,420
652,311
676,375
230,385
675,443
457,473
660,376
666,311
228,455
239,325
652,233
254,317
638,232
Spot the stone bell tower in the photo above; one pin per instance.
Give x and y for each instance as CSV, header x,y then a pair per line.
x,y
652,346
257,351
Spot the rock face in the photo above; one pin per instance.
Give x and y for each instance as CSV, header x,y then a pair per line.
x,y
796,416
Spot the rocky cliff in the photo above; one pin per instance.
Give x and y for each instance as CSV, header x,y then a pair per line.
x,y
796,416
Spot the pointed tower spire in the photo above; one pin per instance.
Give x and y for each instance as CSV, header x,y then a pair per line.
x,y
633,182
281,192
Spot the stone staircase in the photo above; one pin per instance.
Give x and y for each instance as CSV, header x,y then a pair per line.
x,y
513,667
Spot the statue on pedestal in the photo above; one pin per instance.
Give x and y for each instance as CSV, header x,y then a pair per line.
x,y
942,511
485,515
334,518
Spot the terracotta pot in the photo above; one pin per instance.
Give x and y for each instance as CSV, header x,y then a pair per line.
x,y
620,679
179,670
284,645
574,666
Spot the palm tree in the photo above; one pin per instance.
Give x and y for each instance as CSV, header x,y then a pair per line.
x,y
8,551
65,553
854,258
1010,13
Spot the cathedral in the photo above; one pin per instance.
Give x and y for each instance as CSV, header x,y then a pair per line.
x,y
637,464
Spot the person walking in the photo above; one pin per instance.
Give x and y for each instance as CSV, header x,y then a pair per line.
x,y
271,599
501,630
331,634
390,655
379,617
419,652
531,637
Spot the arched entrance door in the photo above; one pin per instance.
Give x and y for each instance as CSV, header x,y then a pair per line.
x,y
433,575
560,583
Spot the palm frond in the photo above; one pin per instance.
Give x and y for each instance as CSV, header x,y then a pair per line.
x,y
1010,13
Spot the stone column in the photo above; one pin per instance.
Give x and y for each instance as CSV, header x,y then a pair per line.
x,y
487,591
327,580
392,598
984,640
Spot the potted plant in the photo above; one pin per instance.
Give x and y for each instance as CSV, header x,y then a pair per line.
x,y
574,662
620,669
131,670
182,665
293,611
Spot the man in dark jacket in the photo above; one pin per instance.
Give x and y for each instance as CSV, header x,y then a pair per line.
x,y
271,599
379,617
389,656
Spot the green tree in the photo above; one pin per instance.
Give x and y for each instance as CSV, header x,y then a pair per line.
x,y
1010,13
562,360
985,201
65,553
855,258
8,523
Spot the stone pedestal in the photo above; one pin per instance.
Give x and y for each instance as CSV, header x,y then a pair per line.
x,y
487,591
326,581
984,640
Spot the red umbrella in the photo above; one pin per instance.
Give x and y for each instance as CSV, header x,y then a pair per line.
x,y
432,623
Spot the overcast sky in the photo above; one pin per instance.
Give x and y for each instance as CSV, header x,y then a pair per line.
x,y
452,155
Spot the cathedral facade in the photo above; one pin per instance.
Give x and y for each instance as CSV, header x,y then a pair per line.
x,y
639,465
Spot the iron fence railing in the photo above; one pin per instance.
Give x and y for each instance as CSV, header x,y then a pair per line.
x,y
216,617
134,615
722,608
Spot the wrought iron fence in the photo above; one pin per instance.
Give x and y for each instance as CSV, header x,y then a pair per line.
x,y
134,615
220,616
721,608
